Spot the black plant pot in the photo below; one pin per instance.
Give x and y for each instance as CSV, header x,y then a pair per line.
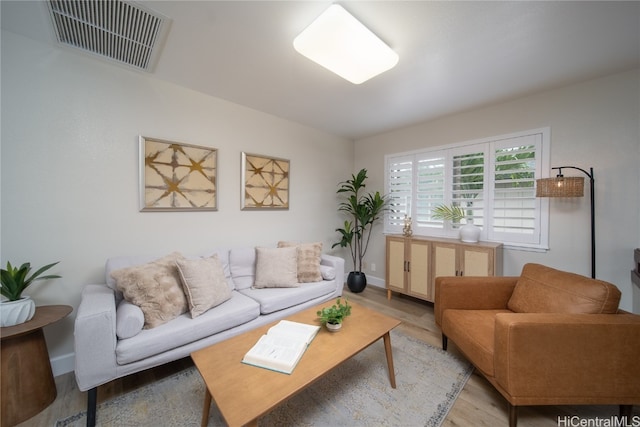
x,y
356,281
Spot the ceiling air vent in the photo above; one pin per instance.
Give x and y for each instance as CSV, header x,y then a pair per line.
x,y
113,29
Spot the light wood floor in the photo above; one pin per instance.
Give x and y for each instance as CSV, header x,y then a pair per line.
x,y
478,404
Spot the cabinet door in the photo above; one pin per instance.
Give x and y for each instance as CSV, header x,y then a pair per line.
x,y
395,264
419,268
476,261
445,261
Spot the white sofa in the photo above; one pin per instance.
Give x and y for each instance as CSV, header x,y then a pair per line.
x,y
102,356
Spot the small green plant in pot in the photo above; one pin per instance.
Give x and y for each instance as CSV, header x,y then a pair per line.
x,y
18,309
333,316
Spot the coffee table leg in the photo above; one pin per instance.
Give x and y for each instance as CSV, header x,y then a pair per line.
x,y
205,410
387,348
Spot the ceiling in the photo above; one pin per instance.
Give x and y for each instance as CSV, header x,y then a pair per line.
x,y
454,56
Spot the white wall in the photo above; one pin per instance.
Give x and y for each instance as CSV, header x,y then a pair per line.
x,y
70,126
593,124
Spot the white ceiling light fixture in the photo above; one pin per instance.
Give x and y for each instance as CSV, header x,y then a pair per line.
x,y
343,45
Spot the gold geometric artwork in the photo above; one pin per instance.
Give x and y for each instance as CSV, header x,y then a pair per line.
x,y
265,182
176,176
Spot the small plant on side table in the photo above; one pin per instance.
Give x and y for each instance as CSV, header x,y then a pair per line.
x,y
16,308
15,280
335,314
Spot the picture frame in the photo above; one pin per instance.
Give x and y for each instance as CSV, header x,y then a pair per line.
x,y
265,182
175,176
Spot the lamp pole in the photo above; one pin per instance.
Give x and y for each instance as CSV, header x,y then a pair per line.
x,y
593,213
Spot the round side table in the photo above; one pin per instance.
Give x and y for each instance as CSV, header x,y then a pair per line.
x,y
27,380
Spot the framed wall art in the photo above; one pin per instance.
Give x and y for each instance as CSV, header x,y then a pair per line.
x,y
265,182
177,177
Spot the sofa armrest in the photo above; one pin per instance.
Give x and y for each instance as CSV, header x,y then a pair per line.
x,y
95,337
568,356
472,293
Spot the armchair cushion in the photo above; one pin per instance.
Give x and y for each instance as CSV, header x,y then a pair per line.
x,y
474,333
542,289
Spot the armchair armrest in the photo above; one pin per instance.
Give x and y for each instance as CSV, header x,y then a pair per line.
x,y
472,293
95,337
568,356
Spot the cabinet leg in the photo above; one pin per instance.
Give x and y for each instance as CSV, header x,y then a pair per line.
x,y
388,294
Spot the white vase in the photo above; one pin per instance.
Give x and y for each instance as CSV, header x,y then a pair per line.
x,y
16,312
334,327
470,233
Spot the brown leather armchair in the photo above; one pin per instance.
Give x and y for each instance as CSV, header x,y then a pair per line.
x,y
547,337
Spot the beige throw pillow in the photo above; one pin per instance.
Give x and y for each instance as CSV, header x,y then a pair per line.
x,y
308,255
204,283
276,268
155,287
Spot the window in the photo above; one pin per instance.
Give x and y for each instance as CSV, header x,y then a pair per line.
x,y
493,180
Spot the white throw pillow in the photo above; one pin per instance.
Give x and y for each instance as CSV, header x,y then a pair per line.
x,y
204,283
276,268
308,260
328,273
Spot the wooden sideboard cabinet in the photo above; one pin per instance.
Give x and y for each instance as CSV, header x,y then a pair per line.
x,y
413,263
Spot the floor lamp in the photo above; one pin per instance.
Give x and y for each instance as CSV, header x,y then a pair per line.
x,y
562,186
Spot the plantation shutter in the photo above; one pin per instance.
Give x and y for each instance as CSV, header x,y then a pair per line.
x,y
468,166
515,217
430,188
400,190
492,179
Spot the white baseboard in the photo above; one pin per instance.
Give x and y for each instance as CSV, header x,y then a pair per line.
x,y
63,364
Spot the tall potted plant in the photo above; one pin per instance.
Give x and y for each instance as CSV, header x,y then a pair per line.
x,y
363,210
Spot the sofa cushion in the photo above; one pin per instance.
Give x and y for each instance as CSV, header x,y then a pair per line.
x,y
473,333
183,330
308,260
129,320
274,299
276,268
155,287
204,283
542,289
242,264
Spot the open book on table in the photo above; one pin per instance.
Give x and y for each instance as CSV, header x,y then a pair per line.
x,y
282,347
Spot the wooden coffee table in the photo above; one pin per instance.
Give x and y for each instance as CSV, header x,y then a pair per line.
x,y
243,393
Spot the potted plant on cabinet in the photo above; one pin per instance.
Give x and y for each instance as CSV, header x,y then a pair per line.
x,y
363,211
333,316
16,308
469,232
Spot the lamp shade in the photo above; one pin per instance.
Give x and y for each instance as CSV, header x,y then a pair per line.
x,y
560,187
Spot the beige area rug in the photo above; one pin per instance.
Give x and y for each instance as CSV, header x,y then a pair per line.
x,y
357,393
